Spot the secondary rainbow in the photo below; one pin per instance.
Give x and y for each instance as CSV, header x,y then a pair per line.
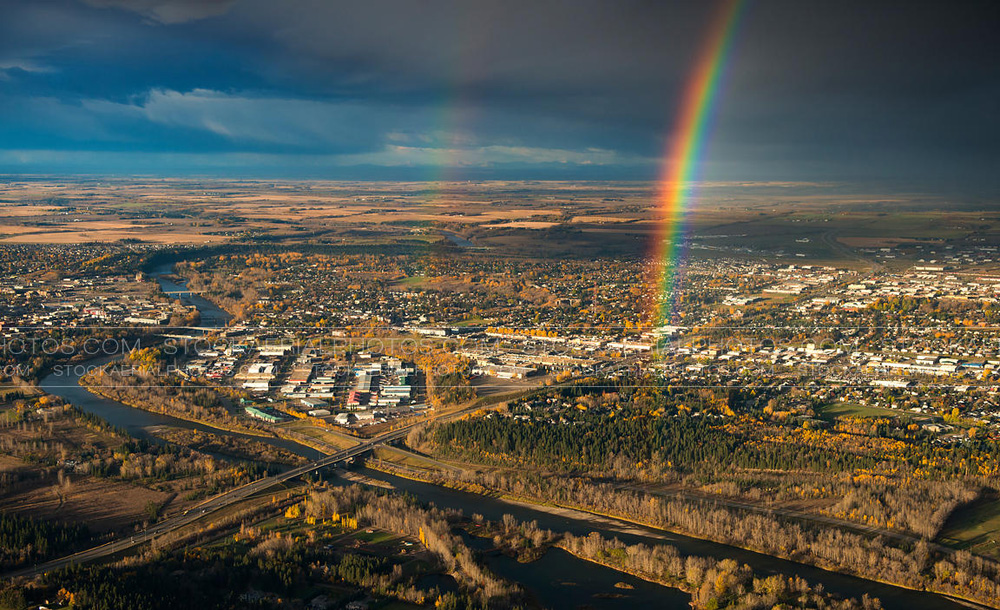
x,y
683,159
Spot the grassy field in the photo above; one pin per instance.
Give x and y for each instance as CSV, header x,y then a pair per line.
x,y
6,389
101,504
405,458
412,281
329,437
377,536
976,527
845,409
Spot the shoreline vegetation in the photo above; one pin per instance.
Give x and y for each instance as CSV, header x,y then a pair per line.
x,y
960,579
135,404
296,534
711,583
236,447
125,382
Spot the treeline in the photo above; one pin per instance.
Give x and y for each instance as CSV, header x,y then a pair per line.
x,y
210,579
240,447
24,540
712,583
139,459
175,255
141,382
112,453
450,389
920,507
674,443
912,565
905,504
431,526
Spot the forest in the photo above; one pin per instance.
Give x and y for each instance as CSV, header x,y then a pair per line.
x,y
24,540
298,558
873,472
683,443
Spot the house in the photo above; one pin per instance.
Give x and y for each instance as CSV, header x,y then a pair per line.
x,y
365,416
504,371
257,385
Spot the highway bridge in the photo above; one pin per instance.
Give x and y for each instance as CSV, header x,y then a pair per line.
x,y
209,506
242,493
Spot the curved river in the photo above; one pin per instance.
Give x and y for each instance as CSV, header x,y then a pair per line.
x,y
558,579
64,381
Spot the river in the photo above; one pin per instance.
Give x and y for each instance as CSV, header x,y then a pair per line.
x,y
557,580
212,316
893,598
64,381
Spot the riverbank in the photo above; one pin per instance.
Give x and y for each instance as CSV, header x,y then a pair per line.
x,y
623,570
601,518
710,582
227,445
606,521
96,390
556,518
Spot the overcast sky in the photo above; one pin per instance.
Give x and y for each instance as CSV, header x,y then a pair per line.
x,y
899,92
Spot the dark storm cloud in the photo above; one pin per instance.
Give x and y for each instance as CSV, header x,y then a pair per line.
x,y
815,90
168,11
513,46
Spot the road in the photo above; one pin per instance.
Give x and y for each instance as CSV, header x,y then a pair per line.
x,y
210,506
242,493
226,499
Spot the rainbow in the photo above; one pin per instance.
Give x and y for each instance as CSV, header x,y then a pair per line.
x,y
683,157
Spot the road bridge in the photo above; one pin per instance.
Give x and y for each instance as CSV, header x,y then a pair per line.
x,y
209,506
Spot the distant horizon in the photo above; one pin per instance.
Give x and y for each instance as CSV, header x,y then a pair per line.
x,y
649,173
887,190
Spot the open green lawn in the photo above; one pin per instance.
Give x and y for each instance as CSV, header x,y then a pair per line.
x,y
976,527
471,321
841,409
413,280
376,536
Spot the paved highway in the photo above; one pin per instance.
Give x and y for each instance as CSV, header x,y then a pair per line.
x,y
209,506
242,493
